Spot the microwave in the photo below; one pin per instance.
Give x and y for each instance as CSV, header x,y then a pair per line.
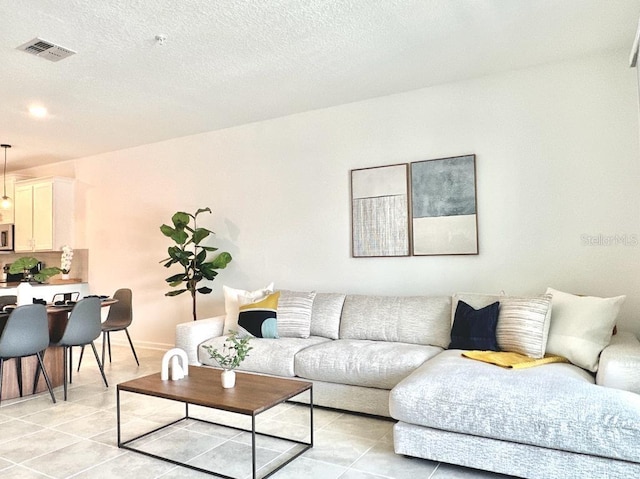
x,y
6,237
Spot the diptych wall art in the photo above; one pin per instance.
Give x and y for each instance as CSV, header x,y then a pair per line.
x,y
443,206
429,209
380,211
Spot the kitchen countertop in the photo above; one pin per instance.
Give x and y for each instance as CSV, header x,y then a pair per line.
x,y
17,283
47,291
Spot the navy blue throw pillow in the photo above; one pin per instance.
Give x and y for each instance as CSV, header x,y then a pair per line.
x,y
475,328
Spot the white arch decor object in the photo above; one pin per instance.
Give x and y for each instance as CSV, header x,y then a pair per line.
x,y
176,361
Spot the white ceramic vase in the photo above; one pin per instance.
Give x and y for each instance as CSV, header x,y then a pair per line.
x,y
24,293
228,378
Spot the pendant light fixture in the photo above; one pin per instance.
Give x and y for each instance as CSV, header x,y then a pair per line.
x,y
5,201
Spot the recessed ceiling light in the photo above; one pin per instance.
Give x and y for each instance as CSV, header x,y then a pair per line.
x,y
38,111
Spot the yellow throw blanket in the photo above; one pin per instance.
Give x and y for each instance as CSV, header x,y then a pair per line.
x,y
512,360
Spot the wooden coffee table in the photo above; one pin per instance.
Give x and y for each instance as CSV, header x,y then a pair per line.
x,y
252,395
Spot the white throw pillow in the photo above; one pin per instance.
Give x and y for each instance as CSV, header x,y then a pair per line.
x,y
234,298
581,326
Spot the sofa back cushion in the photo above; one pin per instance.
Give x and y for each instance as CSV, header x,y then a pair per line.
x,y
406,319
325,315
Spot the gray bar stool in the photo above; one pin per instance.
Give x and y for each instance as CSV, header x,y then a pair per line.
x,y
119,318
83,327
8,299
26,333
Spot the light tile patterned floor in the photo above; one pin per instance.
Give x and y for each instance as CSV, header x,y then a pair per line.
x,y
77,438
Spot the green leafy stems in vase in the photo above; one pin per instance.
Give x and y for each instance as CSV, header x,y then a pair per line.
x,y
234,350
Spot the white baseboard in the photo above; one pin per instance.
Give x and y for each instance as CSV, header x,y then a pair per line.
x,y
136,344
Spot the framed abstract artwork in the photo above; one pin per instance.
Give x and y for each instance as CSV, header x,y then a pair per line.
x,y
380,211
443,206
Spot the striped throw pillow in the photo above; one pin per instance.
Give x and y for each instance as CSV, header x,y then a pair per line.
x,y
523,324
294,314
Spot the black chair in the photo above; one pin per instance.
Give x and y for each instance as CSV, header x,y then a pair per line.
x,y
83,327
119,318
8,299
26,333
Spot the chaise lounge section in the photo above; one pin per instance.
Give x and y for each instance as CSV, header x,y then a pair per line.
x,y
551,421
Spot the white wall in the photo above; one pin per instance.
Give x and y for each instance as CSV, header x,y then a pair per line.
x,y
557,159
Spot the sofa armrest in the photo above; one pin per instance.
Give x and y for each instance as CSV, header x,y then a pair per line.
x,y
192,334
620,363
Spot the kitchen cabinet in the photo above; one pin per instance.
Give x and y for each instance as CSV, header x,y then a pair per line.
x,y
44,214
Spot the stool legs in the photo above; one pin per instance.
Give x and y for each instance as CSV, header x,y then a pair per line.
x,y
46,376
95,353
1,367
19,374
132,348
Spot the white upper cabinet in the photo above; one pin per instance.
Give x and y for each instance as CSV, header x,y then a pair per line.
x,y
44,214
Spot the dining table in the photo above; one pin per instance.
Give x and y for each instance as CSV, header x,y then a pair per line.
x,y
58,315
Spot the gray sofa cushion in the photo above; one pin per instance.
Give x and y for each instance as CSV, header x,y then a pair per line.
x,y
410,319
268,356
325,314
374,364
554,406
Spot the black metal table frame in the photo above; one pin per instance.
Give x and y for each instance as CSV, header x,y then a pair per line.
x,y
254,433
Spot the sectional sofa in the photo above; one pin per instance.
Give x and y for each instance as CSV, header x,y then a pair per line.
x,y
388,356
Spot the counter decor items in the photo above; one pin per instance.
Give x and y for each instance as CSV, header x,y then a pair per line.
x,y
191,256
24,294
234,350
65,261
25,265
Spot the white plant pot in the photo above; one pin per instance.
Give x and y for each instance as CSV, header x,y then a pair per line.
x,y
65,275
228,378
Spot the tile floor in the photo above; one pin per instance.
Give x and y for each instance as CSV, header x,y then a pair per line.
x,y
77,438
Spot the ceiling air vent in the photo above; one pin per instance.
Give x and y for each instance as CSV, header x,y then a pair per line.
x,y
47,50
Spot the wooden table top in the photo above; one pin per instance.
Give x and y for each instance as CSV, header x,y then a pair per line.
x,y
52,308
251,395
57,316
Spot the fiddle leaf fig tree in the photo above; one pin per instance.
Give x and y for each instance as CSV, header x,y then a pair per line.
x,y
191,256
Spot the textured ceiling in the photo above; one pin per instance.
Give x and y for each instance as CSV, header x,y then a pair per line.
x,y
230,62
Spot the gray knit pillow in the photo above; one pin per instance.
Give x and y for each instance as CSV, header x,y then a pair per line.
x,y
523,324
294,314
